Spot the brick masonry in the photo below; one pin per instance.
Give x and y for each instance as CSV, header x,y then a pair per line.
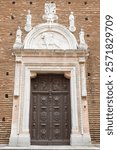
x,y
12,14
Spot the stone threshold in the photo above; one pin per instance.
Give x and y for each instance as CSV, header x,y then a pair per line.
x,y
95,147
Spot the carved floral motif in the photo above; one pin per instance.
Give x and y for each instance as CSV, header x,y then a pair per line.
x,y
50,12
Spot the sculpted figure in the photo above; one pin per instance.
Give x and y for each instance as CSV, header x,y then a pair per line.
x,y
29,17
18,42
28,25
82,44
71,19
72,27
18,35
81,35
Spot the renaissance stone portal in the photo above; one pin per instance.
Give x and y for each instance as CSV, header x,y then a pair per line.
x,y
50,49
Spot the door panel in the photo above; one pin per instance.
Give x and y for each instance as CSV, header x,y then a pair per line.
x,y
50,113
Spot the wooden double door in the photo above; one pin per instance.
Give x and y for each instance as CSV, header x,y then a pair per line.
x,y
50,113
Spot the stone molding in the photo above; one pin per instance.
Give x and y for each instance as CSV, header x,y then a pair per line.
x,y
67,63
81,55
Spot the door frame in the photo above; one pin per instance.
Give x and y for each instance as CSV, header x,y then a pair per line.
x,y
30,73
73,68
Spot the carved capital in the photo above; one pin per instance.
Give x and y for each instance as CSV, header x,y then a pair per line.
x,y
82,60
18,59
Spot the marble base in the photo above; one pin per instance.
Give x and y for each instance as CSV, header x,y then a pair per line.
x,y
13,141
22,140
76,140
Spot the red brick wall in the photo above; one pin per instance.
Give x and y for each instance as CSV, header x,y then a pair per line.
x,y
12,14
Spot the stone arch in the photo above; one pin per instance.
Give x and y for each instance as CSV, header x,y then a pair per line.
x,y
46,36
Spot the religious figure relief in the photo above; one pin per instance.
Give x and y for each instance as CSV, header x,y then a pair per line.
x,y
18,42
50,12
72,27
82,44
50,41
28,25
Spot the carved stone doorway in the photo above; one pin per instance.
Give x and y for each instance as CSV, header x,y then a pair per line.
x,y
50,112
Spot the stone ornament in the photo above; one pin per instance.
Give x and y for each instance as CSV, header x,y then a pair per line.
x,y
72,27
82,44
50,40
50,35
18,42
50,12
42,37
28,25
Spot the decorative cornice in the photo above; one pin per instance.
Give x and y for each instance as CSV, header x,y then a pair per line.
x,y
52,53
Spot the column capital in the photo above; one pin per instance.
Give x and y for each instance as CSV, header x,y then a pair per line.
x,y
82,60
18,59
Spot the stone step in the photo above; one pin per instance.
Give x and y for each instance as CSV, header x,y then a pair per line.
x,y
53,147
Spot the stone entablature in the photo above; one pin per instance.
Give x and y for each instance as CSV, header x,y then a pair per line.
x,y
70,63
52,52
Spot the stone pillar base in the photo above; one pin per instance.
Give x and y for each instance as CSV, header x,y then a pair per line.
x,y
77,139
86,139
22,140
13,141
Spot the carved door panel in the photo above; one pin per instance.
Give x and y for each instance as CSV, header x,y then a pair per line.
x,y
50,113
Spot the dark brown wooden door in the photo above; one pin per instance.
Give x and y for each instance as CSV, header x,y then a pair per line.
x,y
50,114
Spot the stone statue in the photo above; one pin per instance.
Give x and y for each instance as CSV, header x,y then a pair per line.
x,y
18,35
72,27
28,25
82,44
81,36
50,12
18,42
